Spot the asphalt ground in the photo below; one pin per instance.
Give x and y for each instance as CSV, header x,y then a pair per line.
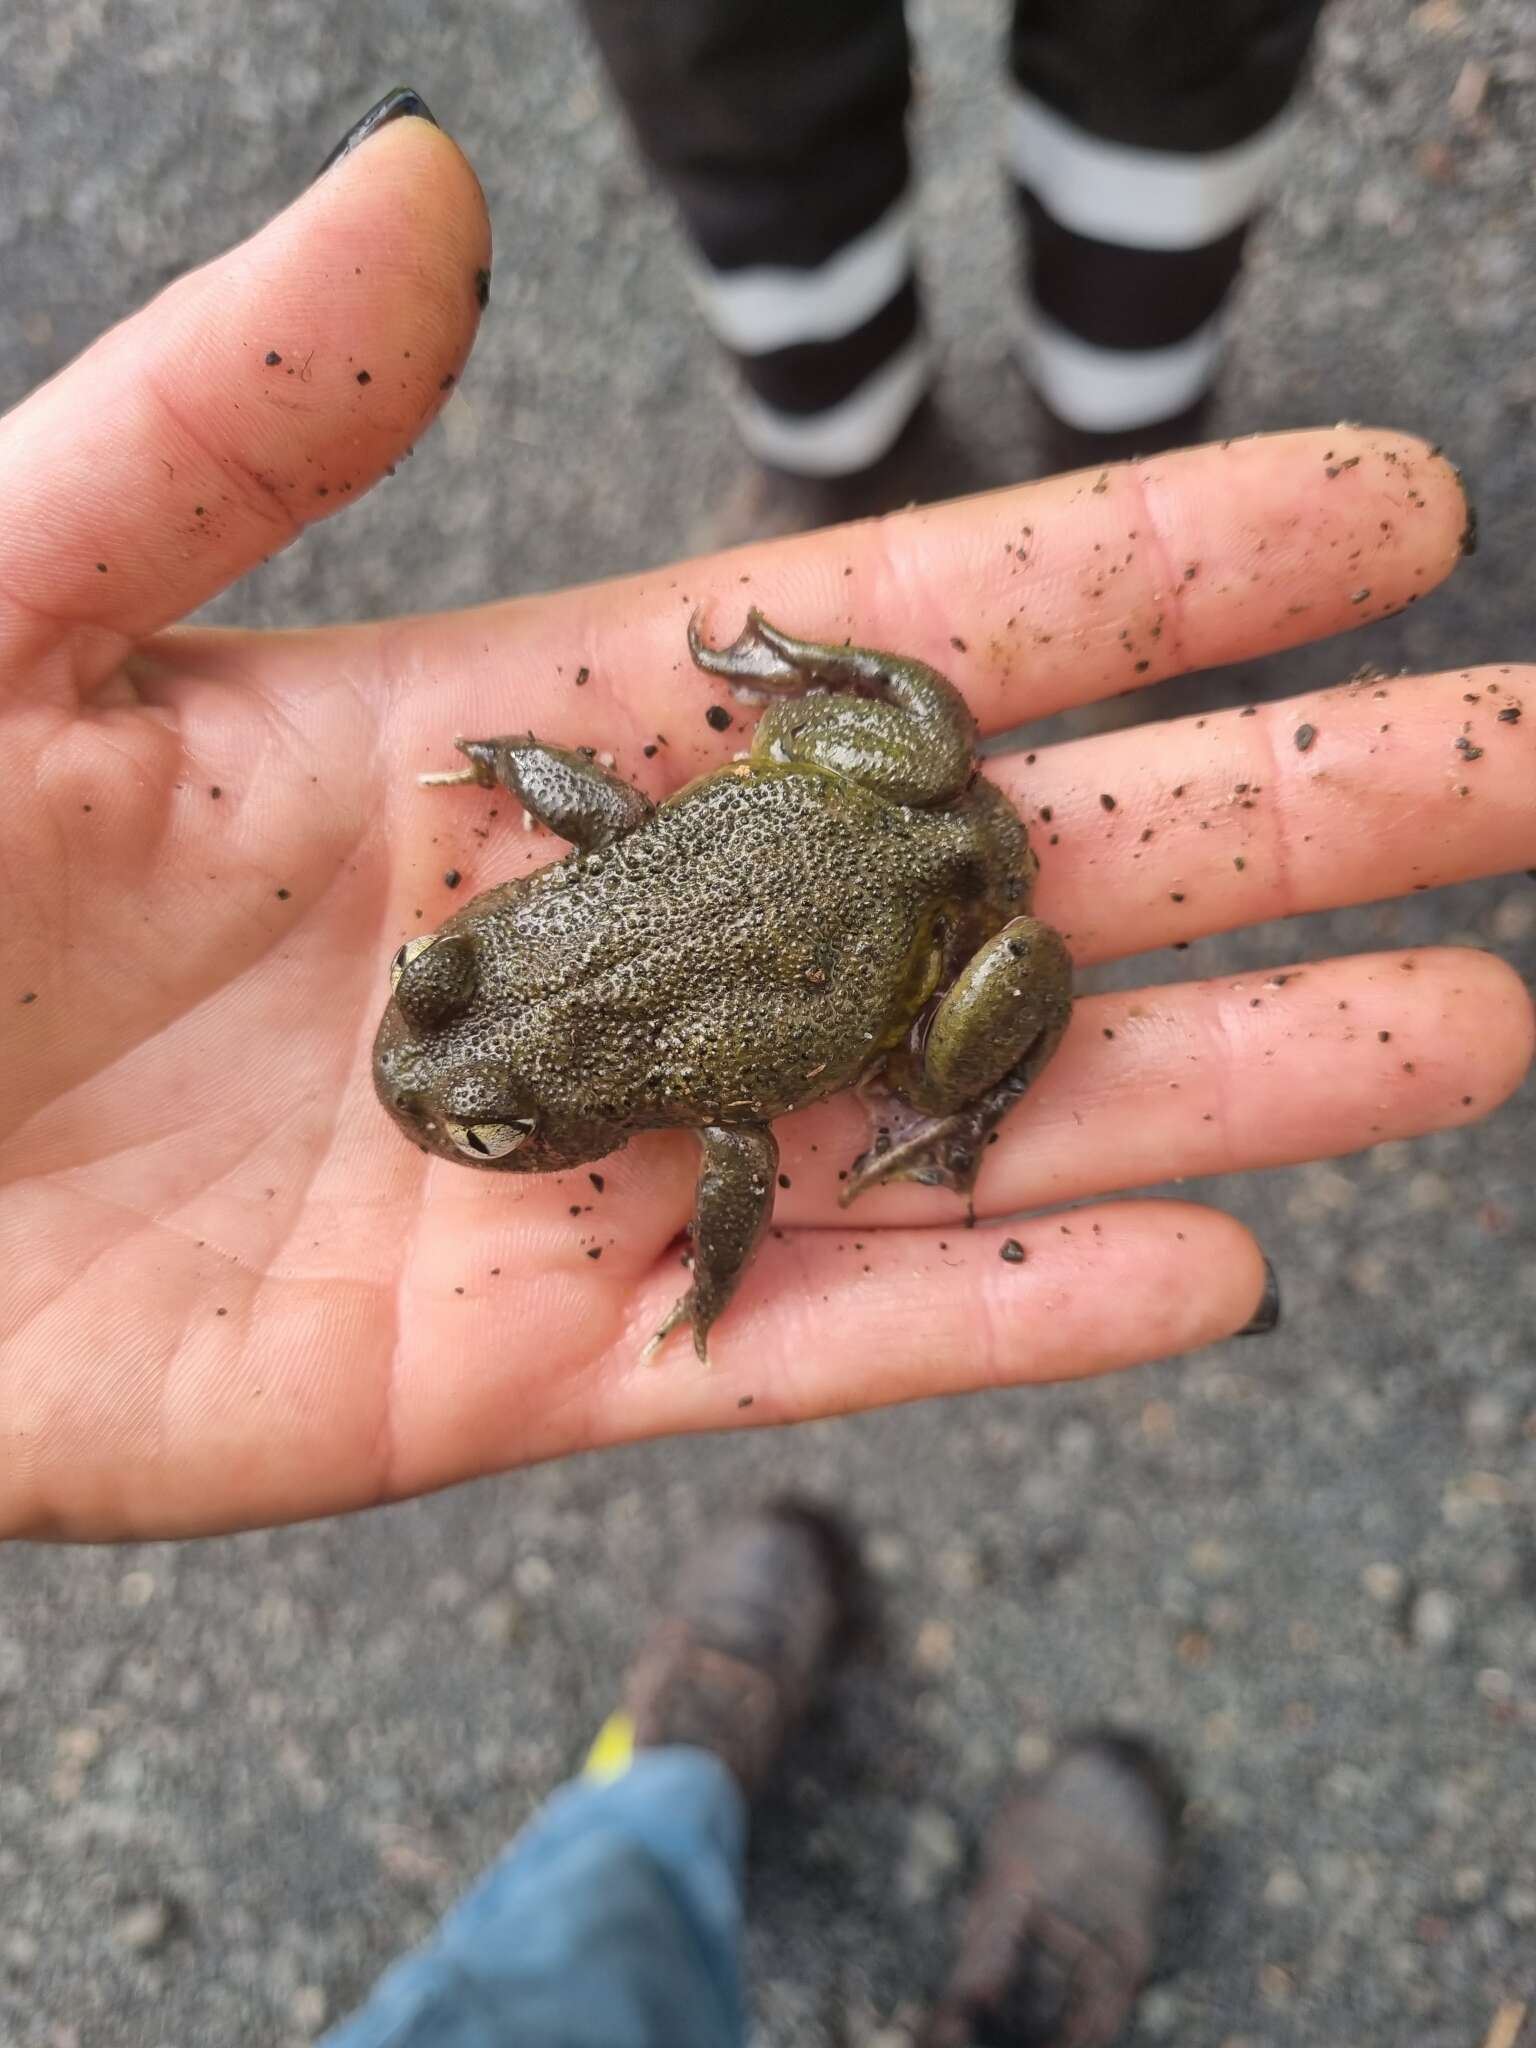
x,y
235,1777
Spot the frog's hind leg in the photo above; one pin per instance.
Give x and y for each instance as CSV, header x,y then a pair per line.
x,y
990,1035
894,725
735,1202
560,786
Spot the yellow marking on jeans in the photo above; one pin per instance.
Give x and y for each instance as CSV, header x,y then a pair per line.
x,y
613,1752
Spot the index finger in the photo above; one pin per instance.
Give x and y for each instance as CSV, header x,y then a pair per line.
x,y
1032,599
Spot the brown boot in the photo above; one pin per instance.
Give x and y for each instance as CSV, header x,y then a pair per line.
x,y
1059,1933
758,1615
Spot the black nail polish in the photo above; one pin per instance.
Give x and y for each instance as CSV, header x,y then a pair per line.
x,y
393,107
1267,1315
1469,531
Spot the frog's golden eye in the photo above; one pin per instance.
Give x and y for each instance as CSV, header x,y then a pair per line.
x,y
406,955
488,1141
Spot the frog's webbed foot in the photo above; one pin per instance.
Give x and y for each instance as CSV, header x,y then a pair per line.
x,y
990,1035
562,787
735,1201
935,1151
895,725
762,657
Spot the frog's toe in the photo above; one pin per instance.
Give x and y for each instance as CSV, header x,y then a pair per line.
x,y
940,1152
682,1312
678,1315
480,772
759,655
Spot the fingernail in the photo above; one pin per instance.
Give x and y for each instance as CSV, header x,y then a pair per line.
x,y
1267,1315
1469,530
394,106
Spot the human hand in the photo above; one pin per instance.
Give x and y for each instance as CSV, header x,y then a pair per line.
x,y
234,1295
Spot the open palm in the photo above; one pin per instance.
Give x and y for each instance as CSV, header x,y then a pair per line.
x,y
233,1294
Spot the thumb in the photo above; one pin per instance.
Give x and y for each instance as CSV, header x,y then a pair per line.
x,y
266,390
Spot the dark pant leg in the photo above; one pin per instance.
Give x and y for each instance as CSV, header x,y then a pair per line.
x,y
779,128
1144,137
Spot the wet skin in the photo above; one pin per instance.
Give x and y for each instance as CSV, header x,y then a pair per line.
x,y
848,906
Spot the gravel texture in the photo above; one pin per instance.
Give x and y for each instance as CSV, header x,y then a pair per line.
x,y
235,1777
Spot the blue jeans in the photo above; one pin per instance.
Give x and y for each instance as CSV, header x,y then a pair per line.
x,y
612,1921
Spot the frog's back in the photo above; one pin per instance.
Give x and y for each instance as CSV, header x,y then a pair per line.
x,y
754,945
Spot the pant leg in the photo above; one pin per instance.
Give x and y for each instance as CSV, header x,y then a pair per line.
x,y
1144,137
779,128
612,1921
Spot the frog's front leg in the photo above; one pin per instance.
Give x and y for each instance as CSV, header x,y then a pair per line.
x,y
993,1030
894,725
562,788
735,1201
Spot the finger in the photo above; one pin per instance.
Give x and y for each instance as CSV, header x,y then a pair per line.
x,y
260,393
1166,833
1127,576
1158,835
828,1324
1222,1076
819,1328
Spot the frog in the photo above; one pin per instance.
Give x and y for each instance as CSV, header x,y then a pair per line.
x,y
845,905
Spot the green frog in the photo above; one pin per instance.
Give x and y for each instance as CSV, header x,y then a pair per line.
x,y
849,905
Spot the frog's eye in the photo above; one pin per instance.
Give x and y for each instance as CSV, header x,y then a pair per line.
x,y
435,979
405,956
488,1141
